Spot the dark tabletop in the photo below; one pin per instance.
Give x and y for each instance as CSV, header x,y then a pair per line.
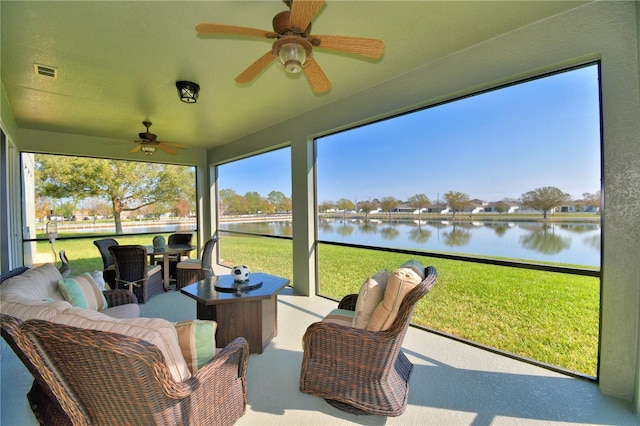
x,y
205,291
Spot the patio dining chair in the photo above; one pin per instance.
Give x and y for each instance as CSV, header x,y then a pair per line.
x,y
133,272
192,270
178,239
109,267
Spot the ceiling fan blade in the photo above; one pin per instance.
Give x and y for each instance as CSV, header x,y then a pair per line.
x,y
174,144
317,78
302,13
370,47
166,149
234,30
135,148
255,68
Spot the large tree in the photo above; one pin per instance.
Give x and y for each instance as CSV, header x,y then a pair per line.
x,y
231,203
281,203
366,207
128,185
255,202
593,200
344,204
419,202
389,203
456,201
545,198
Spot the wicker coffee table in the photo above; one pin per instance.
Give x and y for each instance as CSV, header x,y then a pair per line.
x,y
252,313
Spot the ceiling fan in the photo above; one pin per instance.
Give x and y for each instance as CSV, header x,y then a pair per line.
x,y
148,143
294,44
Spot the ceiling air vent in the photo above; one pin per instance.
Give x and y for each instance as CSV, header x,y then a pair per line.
x,y
45,71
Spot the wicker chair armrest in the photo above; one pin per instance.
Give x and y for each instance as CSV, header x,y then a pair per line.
x,y
232,360
220,387
339,343
348,302
119,297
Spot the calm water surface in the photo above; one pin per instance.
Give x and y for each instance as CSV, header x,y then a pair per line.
x,y
566,242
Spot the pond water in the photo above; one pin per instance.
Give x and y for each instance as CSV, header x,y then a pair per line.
x,y
566,242
128,228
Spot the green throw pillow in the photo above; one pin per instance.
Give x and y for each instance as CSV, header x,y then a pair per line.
x,y
83,292
197,339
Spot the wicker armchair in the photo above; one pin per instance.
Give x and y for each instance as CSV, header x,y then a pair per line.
x,y
42,399
193,270
357,370
116,379
132,271
109,267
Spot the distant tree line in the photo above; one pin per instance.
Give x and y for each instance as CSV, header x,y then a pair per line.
x,y
231,203
543,199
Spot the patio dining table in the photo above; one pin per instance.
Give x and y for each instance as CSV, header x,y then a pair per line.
x,y
166,252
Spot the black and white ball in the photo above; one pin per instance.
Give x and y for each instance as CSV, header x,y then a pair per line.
x,y
240,273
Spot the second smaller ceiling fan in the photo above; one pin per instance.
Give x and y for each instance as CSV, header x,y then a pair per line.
x,y
148,143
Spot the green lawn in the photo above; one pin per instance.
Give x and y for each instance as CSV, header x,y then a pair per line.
x,y
549,317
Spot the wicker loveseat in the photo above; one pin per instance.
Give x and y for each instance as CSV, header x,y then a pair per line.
x,y
92,368
105,378
356,369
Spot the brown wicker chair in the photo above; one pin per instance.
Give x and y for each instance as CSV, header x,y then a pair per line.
x,y
132,271
42,399
361,371
109,267
116,379
193,270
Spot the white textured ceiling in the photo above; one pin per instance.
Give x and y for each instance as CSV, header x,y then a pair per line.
x,y
118,61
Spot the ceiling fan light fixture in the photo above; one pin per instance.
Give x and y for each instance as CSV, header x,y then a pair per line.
x,y
148,148
188,91
292,56
293,52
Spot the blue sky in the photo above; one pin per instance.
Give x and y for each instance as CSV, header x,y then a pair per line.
x,y
498,144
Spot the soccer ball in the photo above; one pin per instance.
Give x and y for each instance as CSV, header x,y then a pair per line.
x,y
240,273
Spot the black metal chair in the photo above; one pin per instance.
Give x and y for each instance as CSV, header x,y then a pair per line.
x,y
109,268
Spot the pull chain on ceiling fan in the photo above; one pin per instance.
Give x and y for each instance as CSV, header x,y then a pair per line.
x,y
294,45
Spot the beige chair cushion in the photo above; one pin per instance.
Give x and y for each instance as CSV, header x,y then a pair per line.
x,y
400,283
340,316
40,310
34,285
190,264
128,310
156,331
154,269
370,295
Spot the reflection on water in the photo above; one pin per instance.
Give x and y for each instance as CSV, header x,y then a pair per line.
x,y
566,242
